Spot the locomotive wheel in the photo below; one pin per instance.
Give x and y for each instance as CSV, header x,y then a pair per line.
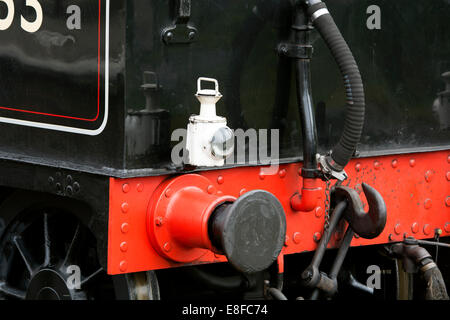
x,y
46,254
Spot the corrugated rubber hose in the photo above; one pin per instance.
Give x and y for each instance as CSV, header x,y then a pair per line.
x,y
355,101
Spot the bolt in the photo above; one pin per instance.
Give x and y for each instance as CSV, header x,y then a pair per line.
x,y
438,231
168,193
447,227
319,212
427,204
415,227
412,163
377,165
448,159
211,189
126,188
51,181
242,192
167,247
69,179
358,167
299,172
191,35
124,247
123,266
76,187
390,237
297,237
286,241
125,228
448,176
317,236
69,190
397,229
282,173
159,221
140,187
428,176
220,180
169,36
447,201
125,207
426,229
394,163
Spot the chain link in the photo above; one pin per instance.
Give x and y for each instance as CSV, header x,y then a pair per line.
x,y
327,203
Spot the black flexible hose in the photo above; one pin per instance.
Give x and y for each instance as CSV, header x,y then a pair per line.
x,y
341,154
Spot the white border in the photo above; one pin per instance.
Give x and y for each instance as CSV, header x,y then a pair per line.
x,y
88,132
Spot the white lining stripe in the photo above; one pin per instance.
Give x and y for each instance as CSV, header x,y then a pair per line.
x,y
88,132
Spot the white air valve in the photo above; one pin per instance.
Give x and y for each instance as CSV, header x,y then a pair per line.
x,y
209,141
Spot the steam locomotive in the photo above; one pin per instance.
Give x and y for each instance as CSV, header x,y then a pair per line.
x,y
258,149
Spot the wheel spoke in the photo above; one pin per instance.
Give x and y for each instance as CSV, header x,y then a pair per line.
x,y
12,292
47,242
72,244
88,278
26,257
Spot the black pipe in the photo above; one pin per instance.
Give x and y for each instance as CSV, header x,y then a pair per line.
x,y
341,154
304,96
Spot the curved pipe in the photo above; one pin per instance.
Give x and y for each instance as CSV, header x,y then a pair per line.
x,y
367,225
341,154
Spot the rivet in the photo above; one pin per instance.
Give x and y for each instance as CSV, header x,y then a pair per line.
x,y
168,193
415,227
69,191
159,221
358,167
125,207
220,179
317,236
376,165
242,191
167,247
428,176
299,172
123,266
319,212
412,163
448,159
390,237
76,187
69,179
125,227
448,175
447,201
397,228
126,188
261,176
219,193
394,163
51,181
140,187
447,227
124,247
426,229
211,189
286,241
282,173
297,237
427,204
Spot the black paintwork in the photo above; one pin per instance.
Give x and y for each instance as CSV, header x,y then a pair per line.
x,y
55,71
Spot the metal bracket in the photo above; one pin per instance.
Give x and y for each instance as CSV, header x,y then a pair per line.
x,y
180,31
297,51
